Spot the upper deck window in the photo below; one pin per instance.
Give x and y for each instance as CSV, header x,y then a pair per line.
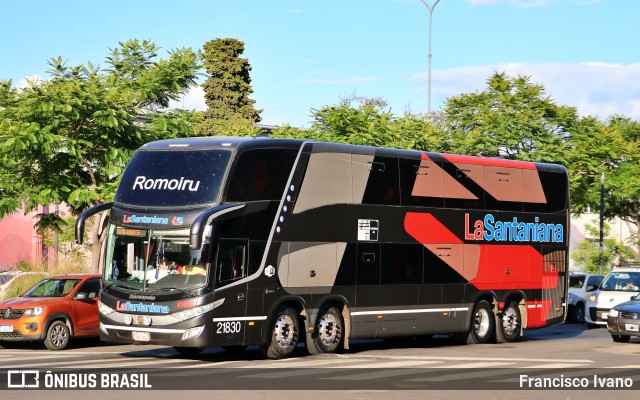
x,y
261,174
173,178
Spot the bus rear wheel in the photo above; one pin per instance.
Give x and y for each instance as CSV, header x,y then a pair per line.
x,y
483,325
285,335
509,323
328,335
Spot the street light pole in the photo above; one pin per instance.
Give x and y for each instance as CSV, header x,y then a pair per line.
x,y
430,7
601,221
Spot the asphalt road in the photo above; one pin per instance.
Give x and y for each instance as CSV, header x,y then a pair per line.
x,y
585,363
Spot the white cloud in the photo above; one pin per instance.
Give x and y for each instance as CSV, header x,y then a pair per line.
x,y
191,100
28,80
595,88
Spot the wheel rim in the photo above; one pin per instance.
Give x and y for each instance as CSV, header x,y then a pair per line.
x,y
510,323
579,313
58,335
481,324
284,331
328,330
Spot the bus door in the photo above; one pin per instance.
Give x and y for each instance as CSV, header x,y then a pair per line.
x,y
229,317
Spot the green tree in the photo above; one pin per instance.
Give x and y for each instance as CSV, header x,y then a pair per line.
x,y
67,139
611,149
587,253
512,118
228,87
368,121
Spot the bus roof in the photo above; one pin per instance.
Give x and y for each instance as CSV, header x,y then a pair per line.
x,y
246,143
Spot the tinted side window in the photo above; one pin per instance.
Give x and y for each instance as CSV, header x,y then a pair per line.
x,y
555,186
256,251
383,186
232,262
421,183
594,281
261,175
368,264
401,264
91,287
437,271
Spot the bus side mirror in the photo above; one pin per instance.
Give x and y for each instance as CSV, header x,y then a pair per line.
x,y
202,220
86,214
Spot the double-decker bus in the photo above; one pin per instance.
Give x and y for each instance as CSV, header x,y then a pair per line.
x,y
276,242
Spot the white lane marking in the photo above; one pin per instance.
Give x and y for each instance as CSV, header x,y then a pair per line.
x,y
98,363
153,363
477,365
316,371
454,358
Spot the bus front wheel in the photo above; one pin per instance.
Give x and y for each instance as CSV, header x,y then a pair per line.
x,y
328,335
285,334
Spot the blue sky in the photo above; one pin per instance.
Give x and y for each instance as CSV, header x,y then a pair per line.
x,y
307,54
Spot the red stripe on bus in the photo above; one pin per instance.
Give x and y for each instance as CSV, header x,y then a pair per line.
x,y
500,266
425,228
505,267
492,162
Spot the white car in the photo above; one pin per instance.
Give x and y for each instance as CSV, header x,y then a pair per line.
x,y
619,286
581,285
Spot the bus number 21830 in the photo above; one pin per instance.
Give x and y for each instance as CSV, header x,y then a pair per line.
x,y
229,327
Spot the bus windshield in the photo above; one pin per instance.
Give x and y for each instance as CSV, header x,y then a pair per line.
x,y
173,178
154,260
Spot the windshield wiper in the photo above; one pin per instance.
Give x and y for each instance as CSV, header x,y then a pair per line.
x,y
120,285
171,289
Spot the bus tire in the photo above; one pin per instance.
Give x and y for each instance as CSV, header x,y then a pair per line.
x,y
509,323
328,335
483,325
285,334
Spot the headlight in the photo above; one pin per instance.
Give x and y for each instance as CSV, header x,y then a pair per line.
x,y
104,309
34,311
593,298
613,313
194,312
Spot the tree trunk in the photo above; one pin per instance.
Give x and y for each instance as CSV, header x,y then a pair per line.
x,y
637,237
98,234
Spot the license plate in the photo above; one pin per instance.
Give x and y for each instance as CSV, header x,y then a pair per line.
x,y
6,328
631,327
605,315
141,336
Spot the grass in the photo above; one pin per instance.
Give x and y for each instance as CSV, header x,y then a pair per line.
x,y
35,274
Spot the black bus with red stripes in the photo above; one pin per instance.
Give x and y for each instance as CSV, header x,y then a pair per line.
x,y
277,242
